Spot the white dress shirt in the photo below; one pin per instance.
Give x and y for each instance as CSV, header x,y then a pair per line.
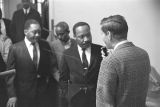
x,y
30,49
26,10
87,52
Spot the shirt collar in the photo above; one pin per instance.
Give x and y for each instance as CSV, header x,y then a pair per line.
x,y
27,10
120,43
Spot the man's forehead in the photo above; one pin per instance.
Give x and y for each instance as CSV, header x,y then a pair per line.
x,y
84,28
60,29
35,26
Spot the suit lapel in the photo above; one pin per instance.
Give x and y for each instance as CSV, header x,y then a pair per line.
x,y
75,54
93,56
27,52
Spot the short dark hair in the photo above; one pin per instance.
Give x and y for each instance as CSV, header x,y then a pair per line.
x,y
63,25
115,24
79,24
29,22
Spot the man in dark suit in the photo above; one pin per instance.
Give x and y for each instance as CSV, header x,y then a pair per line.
x,y
34,63
79,69
19,18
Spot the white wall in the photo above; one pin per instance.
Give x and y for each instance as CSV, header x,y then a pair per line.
x,y
142,16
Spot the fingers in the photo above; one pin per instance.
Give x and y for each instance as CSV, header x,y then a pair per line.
x,y
11,104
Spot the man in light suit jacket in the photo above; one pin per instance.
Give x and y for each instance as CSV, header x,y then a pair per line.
x,y
19,18
78,75
124,74
32,85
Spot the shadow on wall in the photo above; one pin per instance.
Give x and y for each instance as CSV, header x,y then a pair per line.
x,y
153,97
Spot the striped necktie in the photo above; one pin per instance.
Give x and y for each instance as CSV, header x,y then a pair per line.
x,y
84,60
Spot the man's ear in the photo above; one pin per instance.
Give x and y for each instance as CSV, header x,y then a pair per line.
x,y
25,32
109,33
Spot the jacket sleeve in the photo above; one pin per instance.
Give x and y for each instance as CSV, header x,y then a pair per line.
x,y
10,78
63,80
2,64
107,84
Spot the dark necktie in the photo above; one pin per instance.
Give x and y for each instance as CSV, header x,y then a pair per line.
x,y
84,59
35,55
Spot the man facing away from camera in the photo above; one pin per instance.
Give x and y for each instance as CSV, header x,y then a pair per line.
x,y
124,74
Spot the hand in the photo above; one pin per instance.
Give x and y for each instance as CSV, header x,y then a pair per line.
x,y
103,52
110,51
12,102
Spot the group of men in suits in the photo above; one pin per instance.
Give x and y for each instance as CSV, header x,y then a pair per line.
x,y
33,84
120,80
83,80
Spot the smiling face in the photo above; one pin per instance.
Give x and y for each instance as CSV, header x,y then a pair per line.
x,y
33,33
83,36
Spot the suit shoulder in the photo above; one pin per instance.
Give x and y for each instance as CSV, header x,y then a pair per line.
x,y
97,45
17,11
6,20
17,45
43,43
34,11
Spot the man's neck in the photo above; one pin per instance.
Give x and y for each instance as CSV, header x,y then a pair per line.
x,y
116,44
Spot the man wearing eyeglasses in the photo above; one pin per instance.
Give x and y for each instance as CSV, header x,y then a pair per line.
x,y
34,64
